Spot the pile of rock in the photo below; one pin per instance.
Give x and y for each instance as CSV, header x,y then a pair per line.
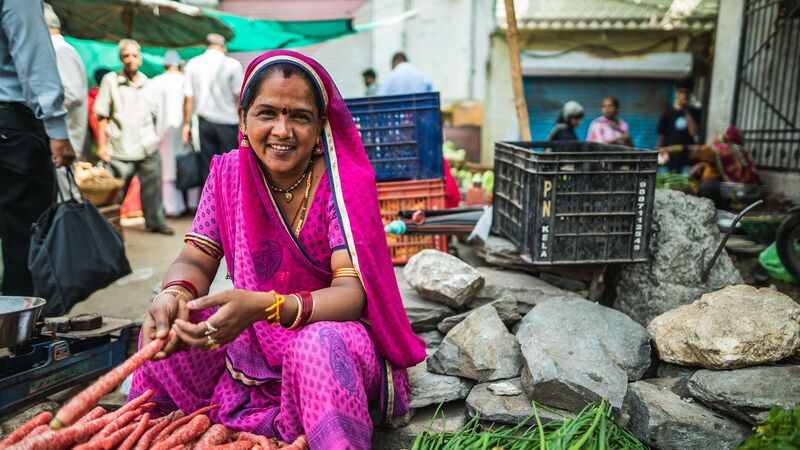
x,y
698,377
729,345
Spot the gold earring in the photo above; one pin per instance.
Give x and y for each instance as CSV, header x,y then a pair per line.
x,y
244,142
318,149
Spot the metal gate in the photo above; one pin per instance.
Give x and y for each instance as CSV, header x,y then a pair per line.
x,y
766,106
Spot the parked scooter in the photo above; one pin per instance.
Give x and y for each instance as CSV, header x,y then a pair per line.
x,y
787,242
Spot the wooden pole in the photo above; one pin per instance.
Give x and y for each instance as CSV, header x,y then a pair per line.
x,y
516,72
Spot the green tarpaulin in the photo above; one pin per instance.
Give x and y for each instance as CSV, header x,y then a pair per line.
x,y
250,36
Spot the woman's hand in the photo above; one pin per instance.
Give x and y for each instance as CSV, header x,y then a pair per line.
x,y
163,312
238,309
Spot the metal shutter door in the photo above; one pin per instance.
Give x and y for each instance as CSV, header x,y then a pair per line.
x,y
641,103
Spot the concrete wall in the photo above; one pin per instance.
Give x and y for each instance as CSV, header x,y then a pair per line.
x,y
446,39
500,118
726,57
783,184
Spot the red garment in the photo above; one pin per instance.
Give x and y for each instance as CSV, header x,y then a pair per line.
x,y
92,118
452,193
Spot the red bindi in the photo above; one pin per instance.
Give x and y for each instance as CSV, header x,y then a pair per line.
x,y
284,111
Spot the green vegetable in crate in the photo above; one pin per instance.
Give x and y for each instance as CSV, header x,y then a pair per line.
x,y
487,181
452,154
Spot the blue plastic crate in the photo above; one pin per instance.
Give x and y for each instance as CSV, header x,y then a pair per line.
x,y
402,135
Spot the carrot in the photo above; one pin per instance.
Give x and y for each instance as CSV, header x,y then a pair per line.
x,y
115,438
38,430
195,428
89,397
215,435
56,439
96,413
238,445
150,434
40,419
182,421
301,443
116,424
141,427
263,441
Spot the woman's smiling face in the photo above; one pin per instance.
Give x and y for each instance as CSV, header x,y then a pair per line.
x,y
283,124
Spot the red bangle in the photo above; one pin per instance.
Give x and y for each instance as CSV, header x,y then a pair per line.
x,y
308,307
183,283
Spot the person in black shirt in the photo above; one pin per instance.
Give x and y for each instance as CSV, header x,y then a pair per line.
x,y
678,128
569,119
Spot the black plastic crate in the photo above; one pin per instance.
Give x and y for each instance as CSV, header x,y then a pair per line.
x,y
402,135
574,202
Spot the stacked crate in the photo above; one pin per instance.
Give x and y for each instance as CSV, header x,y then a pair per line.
x,y
402,136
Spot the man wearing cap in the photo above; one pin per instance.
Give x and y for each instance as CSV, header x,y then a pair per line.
x,y
167,93
213,81
126,133
678,128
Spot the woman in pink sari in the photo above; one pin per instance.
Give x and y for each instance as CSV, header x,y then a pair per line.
x,y
295,213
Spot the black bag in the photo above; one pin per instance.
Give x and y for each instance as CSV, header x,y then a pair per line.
x,y
189,170
74,252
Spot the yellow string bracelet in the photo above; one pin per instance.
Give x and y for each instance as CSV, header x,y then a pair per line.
x,y
274,311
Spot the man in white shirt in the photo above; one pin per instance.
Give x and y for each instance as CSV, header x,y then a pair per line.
x,y
126,133
73,78
404,78
167,93
76,90
213,82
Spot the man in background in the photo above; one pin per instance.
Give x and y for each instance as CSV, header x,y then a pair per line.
x,y
33,133
678,128
213,81
404,78
167,93
126,133
370,82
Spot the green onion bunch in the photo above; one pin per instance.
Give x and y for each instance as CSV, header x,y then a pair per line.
x,y
591,429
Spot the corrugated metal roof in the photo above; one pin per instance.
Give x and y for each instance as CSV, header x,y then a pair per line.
x,y
293,10
612,14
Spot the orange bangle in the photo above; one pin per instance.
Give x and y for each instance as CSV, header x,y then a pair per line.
x,y
274,311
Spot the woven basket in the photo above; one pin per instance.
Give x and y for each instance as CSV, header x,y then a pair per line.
x,y
762,227
97,184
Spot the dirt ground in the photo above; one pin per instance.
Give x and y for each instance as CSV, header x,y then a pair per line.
x,y
150,255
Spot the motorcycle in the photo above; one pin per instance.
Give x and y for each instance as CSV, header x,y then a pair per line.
x,y
787,242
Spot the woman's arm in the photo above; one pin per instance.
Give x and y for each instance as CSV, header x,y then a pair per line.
x,y
197,268
343,301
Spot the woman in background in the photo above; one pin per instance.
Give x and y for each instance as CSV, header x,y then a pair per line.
x,y
609,128
570,118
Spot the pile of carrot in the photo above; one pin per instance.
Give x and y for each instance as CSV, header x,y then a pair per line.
x,y
80,425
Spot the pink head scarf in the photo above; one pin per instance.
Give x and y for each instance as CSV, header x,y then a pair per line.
x,y
353,188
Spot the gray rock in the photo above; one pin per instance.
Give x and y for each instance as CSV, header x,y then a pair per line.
x,y
12,422
738,326
578,352
442,278
498,251
748,394
683,237
432,338
662,420
506,409
526,289
479,348
679,374
113,400
451,417
433,388
506,308
423,314
678,386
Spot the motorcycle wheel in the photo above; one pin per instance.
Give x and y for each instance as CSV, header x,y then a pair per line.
x,y
787,238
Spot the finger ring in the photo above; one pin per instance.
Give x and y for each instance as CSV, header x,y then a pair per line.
x,y
212,343
210,328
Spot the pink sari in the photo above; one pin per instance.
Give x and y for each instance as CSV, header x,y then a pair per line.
x,y
319,380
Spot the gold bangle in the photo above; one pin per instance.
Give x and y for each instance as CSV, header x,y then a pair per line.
x,y
296,322
345,272
174,292
313,308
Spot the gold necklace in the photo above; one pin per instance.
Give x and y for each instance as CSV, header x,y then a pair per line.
x,y
287,193
303,209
